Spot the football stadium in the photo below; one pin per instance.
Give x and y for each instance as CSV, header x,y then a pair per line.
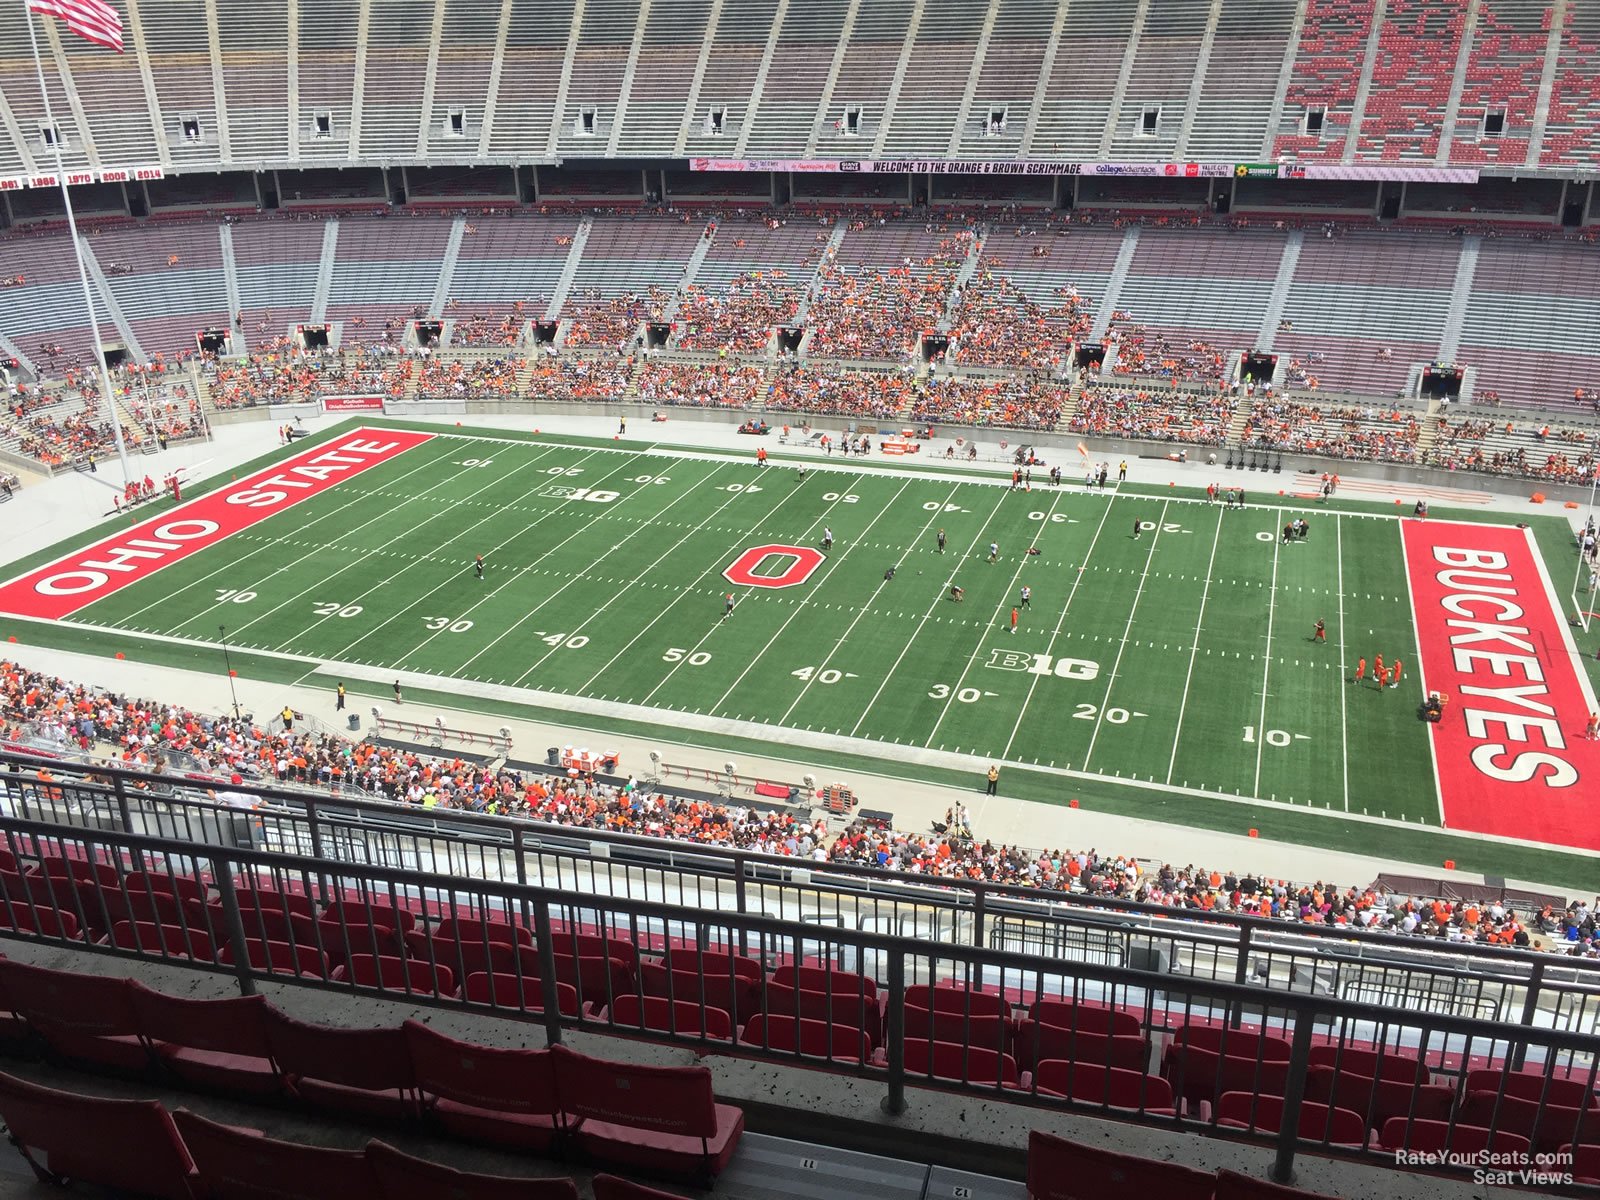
x,y
732,598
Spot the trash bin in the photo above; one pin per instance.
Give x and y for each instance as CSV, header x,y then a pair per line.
x,y
355,722
552,756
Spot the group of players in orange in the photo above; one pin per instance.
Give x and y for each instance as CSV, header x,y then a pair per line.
x,y
1383,678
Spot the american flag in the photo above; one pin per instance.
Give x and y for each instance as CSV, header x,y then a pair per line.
x,y
91,19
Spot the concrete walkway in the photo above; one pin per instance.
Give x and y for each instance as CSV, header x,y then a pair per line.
x,y
45,512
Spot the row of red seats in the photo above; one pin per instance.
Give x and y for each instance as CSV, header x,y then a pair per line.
x,y
1059,1169
660,1119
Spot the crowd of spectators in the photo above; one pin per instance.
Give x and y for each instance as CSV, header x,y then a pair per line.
x,y
167,412
612,322
997,325
579,377
880,313
1154,414
1150,353
1561,455
1367,433
1011,401
488,327
741,319
168,739
880,395
485,378
283,373
701,385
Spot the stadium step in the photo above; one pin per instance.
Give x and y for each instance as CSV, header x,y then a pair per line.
x,y
12,350
230,281
1458,84
760,84
826,101
1198,83
1241,420
1455,318
358,94
319,298
969,267
496,69
580,238
1119,275
964,114
898,79
1547,82
1369,59
558,117
691,109
627,79
1129,53
1047,68
690,270
106,297
1268,333
447,268
835,240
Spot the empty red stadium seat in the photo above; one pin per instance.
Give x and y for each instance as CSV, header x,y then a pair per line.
x,y
173,940
184,887
737,995
269,924
88,1018
1036,1043
991,1031
217,1044
271,900
1547,1126
130,1145
519,992
947,997
1318,1122
953,1061
394,974
480,930
593,945
1086,1018
661,1119
347,932
103,874
1204,1075
1585,1163
1378,1099
825,979
402,1176
839,1008
1237,1043
1394,1065
19,916
1114,1086
682,1017
610,1187
1531,1085
1434,1137
814,1038
1062,1170
486,1094
474,955
359,1070
280,958
243,1164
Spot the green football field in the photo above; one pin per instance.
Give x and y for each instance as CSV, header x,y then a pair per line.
x,y
1168,642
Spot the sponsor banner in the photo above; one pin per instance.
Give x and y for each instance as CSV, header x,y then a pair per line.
x,y
79,579
1383,173
343,404
1511,753
1372,172
1255,170
78,178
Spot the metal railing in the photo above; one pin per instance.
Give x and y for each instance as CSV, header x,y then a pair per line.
x,y
1198,1054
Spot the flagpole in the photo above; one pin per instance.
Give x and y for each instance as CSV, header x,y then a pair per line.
x,y
77,250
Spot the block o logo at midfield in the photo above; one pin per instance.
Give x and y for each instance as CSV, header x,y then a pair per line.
x,y
775,566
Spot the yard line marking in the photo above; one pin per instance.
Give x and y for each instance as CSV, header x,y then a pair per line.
x,y
619,590
1266,670
382,546
1422,675
831,565
520,572
1005,603
977,539
1344,728
1194,651
355,496
1133,611
865,608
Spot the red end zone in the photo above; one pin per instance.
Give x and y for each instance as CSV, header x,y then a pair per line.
x,y
78,580
1511,753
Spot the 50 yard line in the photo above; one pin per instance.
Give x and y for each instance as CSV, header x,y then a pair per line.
x,y
1266,670
1194,650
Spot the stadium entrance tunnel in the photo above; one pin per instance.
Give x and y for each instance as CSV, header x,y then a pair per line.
x,y
934,347
116,355
657,334
1088,358
214,341
427,333
1256,367
544,333
1441,382
789,340
313,337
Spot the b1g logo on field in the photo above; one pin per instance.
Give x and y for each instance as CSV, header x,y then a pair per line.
x,y
774,566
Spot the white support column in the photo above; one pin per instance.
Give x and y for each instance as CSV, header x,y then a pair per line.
x,y
1120,92
626,89
1358,109
1197,85
1285,75
892,100
19,139
1547,82
964,113
1458,84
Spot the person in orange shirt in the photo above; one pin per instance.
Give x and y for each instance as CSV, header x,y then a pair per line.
x,y
1396,669
1377,670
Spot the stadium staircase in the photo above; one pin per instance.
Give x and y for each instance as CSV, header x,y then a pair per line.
x,y
1458,83
1547,82
319,298
496,69
758,88
899,78
430,81
107,298
1428,434
964,114
1119,275
1041,88
230,282
569,272
1358,110
447,268
628,71
958,285
1234,438
1279,299
1202,65
690,270
1466,269
825,102
359,90
1129,53
559,112
692,106
835,240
